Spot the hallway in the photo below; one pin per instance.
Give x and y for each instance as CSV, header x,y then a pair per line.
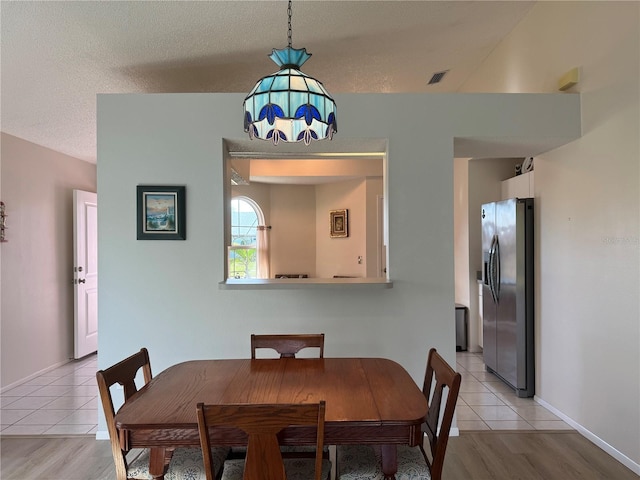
x,y
486,403
63,401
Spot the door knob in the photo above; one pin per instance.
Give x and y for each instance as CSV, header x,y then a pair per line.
x,y
81,280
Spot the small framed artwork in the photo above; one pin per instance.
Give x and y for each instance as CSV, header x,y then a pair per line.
x,y
339,223
161,212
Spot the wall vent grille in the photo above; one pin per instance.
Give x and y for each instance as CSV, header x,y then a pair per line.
x,y
237,179
437,77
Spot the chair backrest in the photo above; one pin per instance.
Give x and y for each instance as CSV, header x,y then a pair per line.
x,y
287,345
123,373
261,423
439,375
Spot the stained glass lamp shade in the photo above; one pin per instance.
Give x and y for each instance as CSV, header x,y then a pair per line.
x,y
288,105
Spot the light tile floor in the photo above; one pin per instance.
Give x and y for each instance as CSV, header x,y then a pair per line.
x,y
487,403
63,401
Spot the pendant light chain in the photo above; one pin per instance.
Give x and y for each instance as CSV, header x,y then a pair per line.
x,y
288,105
289,31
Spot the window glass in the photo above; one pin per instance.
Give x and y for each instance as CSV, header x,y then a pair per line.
x,y
243,250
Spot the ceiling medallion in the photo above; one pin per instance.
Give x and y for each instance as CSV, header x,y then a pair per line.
x,y
288,105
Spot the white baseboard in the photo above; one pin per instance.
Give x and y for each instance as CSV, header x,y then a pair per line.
x,y
593,438
34,375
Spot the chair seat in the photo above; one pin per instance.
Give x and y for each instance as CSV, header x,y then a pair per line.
x,y
295,468
186,464
364,462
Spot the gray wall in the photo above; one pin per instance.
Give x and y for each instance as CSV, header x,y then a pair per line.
x,y
164,294
37,260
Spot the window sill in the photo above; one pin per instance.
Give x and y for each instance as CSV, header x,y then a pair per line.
x,y
304,283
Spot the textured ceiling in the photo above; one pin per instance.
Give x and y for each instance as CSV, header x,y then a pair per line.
x,y
56,56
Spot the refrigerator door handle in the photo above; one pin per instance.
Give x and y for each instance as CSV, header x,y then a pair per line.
x,y
496,268
492,270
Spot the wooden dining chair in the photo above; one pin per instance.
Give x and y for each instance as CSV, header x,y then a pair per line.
x,y
180,463
287,345
358,462
262,423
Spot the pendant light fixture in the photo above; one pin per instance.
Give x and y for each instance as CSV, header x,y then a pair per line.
x,y
288,105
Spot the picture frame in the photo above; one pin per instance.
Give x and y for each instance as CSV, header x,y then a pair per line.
x,y
339,223
161,212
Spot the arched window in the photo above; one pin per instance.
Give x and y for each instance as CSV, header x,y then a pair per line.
x,y
248,244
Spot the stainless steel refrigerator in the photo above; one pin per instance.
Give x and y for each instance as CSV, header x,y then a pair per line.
x,y
507,292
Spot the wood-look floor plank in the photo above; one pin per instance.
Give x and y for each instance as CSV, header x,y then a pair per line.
x,y
487,455
53,458
493,455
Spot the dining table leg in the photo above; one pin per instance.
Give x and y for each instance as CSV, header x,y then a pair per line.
x,y
389,461
157,463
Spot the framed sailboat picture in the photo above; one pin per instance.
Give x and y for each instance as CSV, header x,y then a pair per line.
x,y
161,212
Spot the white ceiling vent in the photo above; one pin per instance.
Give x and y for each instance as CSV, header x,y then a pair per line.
x,y
437,77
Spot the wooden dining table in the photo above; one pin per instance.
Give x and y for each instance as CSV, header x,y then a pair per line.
x,y
368,401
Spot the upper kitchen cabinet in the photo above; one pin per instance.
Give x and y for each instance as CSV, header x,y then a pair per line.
x,y
520,186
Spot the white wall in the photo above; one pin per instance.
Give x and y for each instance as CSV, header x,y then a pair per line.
x,y
461,233
293,236
175,307
587,214
37,260
338,256
1,197
375,227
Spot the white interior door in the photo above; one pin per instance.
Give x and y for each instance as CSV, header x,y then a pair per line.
x,y
85,272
